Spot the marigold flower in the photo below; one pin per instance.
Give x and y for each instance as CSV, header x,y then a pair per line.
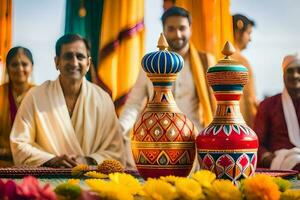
x,y
204,178
223,190
282,184
127,181
74,181
260,187
169,179
79,169
110,166
188,189
94,174
109,190
290,195
156,189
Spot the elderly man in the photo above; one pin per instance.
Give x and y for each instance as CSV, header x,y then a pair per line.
x,y
277,122
190,90
67,121
242,28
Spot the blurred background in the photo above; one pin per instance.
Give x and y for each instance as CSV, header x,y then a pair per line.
x,y
135,24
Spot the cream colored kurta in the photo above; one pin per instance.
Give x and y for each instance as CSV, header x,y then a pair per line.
x,y
43,128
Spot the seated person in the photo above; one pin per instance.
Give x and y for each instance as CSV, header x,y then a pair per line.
x,y
68,121
277,122
19,63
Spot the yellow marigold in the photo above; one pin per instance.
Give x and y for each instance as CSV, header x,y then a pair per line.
x,y
156,189
126,181
223,190
169,179
260,187
282,184
109,190
79,169
204,178
74,181
188,189
290,195
94,174
110,166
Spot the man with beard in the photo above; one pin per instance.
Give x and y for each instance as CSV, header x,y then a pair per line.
x,y
277,122
191,92
242,29
68,121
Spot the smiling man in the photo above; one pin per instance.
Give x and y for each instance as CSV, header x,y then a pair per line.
x,y
68,121
191,92
277,122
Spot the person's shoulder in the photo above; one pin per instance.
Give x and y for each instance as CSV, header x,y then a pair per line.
x,y
98,90
37,90
271,101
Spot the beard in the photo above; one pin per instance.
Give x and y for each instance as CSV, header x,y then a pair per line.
x,y
177,44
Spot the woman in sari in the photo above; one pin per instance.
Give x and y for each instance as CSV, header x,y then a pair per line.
x,y
19,63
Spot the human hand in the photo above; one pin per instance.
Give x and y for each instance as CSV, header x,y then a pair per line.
x,y
85,160
62,161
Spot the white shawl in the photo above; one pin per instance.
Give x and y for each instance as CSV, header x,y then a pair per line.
x,y
43,128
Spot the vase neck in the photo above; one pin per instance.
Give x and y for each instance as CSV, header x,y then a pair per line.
x,y
228,112
163,99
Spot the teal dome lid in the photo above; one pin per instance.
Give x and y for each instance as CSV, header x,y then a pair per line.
x,y
162,61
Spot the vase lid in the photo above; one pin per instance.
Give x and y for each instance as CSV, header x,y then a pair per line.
x,y
162,62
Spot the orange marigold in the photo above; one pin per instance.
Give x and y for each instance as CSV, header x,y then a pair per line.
x,y
260,187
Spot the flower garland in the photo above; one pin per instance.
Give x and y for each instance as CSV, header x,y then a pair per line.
x,y
202,185
121,186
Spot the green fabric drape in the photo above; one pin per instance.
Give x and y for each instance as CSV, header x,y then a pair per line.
x,y
87,26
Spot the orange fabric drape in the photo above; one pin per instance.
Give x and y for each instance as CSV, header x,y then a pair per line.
x,y
121,46
5,33
211,24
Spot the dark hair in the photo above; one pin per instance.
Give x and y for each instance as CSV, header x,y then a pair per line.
x,y
237,26
14,51
69,38
176,11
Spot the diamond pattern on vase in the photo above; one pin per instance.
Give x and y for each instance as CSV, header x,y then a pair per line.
x,y
208,162
224,165
142,159
151,154
156,132
185,159
179,124
243,163
150,122
163,159
174,154
172,133
141,133
165,122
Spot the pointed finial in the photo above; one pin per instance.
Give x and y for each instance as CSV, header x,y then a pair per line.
x,y
228,49
162,43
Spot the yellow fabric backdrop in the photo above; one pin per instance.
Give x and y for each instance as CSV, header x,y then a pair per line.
x,y
121,46
211,24
5,33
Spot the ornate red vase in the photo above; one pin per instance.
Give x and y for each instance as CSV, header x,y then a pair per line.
x,y
228,147
163,138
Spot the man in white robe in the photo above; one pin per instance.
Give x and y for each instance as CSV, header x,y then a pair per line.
x,y
67,121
